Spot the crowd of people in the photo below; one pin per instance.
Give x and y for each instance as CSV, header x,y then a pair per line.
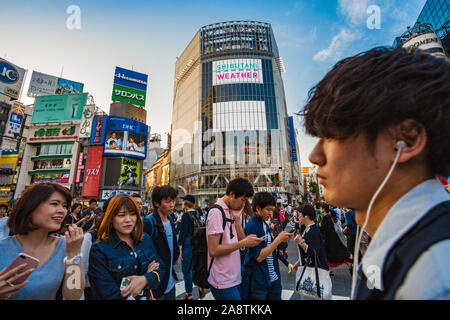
x,y
382,122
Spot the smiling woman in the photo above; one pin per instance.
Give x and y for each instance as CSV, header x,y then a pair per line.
x,y
37,215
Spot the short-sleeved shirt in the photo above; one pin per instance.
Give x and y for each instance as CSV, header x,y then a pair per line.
x,y
44,282
4,230
226,270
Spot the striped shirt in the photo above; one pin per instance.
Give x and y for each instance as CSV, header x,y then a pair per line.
x,y
273,275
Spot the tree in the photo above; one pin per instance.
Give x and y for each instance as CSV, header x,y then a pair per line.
x,y
314,188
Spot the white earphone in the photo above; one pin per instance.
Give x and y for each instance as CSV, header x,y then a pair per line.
x,y
359,233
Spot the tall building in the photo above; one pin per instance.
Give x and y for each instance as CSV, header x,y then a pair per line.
x,y
431,29
229,113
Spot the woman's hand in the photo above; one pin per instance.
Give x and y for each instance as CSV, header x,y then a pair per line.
x,y
295,266
137,284
152,266
8,278
298,239
74,240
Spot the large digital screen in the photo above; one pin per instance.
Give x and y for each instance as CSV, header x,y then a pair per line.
x,y
45,84
126,137
237,71
65,107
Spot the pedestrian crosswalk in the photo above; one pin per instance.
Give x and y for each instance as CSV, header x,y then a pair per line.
x,y
285,294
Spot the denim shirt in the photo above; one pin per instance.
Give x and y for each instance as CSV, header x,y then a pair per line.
x,y
111,261
260,270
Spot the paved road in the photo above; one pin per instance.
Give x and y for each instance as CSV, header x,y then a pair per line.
x,y
341,280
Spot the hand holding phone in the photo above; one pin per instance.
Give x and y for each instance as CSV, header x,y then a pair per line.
x,y
28,262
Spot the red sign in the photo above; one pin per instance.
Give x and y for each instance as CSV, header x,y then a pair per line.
x,y
92,171
65,177
98,129
79,167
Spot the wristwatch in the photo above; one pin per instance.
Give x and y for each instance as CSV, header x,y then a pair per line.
x,y
75,260
303,241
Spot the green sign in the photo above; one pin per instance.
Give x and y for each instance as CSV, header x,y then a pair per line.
x,y
66,107
54,132
126,94
129,173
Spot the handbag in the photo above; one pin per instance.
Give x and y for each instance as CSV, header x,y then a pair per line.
x,y
314,282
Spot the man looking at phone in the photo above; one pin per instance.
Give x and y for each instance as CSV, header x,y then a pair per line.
x,y
261,269
91,212
224,242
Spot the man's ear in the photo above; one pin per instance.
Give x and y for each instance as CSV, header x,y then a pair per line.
x,y
414,135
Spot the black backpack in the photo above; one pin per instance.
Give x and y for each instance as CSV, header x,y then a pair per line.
x,y
197,223
199,261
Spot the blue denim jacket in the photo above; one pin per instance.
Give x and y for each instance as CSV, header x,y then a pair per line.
x,y
259,271
111,261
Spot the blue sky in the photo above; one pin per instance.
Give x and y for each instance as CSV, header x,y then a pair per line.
x,y
148,36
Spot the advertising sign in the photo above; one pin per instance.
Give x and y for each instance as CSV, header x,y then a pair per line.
x,y
50,133
129,173
67,107
126,137
427,42
130,79
106,194
133,96
293,144
99,127
11,79
237,71
45,84
86,121
129,86
79,167
165,175
92,172
15,120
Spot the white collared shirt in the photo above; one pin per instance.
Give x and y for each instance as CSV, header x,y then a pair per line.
x,y
428,278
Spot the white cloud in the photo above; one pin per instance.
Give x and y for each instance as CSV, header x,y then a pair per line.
x,y
354,10
338,44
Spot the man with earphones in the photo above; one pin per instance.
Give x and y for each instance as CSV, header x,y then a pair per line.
x,y
382,118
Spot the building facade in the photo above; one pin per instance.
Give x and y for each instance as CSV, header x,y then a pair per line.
x,y
229,113
431,31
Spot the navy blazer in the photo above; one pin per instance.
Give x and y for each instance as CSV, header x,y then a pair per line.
x,y
111,261
259,271
186,226
315,243
154,227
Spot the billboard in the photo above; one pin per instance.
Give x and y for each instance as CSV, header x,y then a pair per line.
x,y
129,173
45,84
67,107
125,94
129,86
92,171
237,71
15,120
126,137
86,121
293,144
11,79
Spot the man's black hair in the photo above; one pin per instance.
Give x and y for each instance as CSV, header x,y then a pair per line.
x,y
308,211
326,207
240,187
4,206
136,195
163,192
92,201
262,200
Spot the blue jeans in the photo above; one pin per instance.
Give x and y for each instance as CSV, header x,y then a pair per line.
x,y
260,292
186,265
233,293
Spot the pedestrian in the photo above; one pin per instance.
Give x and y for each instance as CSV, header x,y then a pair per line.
x,y
3,210
350,230
40,212
186,227
4,230
281,251
91,213
336,252
382,121
225,237
310,242
160,227
247,213
261,272
123,251
138,199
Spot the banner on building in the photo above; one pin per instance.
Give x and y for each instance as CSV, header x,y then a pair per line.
x,y
86,121
45,84
129,86
11,79
292,135
129,173
15,120
237,71
68,107
126,137
92,172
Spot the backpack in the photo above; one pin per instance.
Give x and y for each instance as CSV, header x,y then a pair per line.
x,y
157,227
199,259
431,229
197,223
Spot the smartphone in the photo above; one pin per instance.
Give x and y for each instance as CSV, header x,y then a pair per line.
x,y
32,263
291,230
125,283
